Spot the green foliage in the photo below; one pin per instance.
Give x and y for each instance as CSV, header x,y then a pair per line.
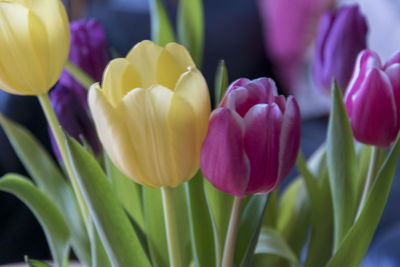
x,y
161,29
220,83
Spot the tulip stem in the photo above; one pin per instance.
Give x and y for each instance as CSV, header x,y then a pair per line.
x,y
58,135
229,249
170,227
373,162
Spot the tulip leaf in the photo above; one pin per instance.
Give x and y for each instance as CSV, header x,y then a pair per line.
x,y
116,233
320,246
48,178
220,205
161,29
79,75
249,229
342,166
48,215
128,192
99,255
202,230
272,243
221,82
354,246
190,26
35,263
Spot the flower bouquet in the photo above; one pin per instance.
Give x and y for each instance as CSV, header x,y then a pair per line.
x,y
148,174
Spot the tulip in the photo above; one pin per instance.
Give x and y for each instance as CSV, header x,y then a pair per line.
x,y
253,139
88,50
73,117
373,99
151,114
341,36
34,45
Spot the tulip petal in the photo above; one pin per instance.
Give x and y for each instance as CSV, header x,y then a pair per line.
x,y
119,78
373,111
289,142
114,136
223,160
144,57
393,60
19,58
263,128
181,55
168,70
192,88
145,113
393,72
237,83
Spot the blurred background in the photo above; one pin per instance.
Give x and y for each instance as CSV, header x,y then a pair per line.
x,y
269,38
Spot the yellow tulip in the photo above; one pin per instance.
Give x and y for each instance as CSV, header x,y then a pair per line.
x,y
34,45
152,114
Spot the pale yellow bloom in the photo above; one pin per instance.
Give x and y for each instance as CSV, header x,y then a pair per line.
x,y
152,114
34,45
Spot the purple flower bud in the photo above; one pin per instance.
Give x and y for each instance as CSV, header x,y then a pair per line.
x,y
341,36
253,139
373,99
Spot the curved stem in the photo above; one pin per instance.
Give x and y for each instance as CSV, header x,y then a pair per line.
x,y
373,162
55,128
170,227
79,75
230,242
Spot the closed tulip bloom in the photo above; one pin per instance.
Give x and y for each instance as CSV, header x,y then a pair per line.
x,y
373,99
253,139
34,45
151,114
341,36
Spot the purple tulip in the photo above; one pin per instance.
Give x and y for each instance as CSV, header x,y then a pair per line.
x,y
373,99
253,139
69,97
341,36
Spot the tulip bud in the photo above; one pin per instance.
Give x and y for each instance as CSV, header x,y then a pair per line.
x,y
341,36
151,114
72,114
88,50
373,99
34,45
253,139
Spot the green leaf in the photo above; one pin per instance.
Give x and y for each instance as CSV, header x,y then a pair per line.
x,y
272,243
221,82
220,205
128,192
79,75
354,246
202,230
249,229
47,176
35,263
294,215
99,255
320,246
191,28
119,239
49,217
272,210
342,166
161,29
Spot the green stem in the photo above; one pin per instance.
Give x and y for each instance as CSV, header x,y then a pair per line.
x,y
373,162
170,227
230,242
55,128
79,75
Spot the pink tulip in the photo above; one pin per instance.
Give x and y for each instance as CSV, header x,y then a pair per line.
x,y
253,139
373,99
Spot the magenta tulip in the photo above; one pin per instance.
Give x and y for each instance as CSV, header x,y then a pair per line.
x,y
373,99
253,139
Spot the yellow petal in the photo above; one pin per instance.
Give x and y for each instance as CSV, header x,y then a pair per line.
x,y
192,88
21,70
168,71
146,116
181,55
144,57
119,78
114,135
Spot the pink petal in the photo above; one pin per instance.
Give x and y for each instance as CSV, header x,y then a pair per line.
x,y
223,160
393,72
374,116
237,83
263,129
393,60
